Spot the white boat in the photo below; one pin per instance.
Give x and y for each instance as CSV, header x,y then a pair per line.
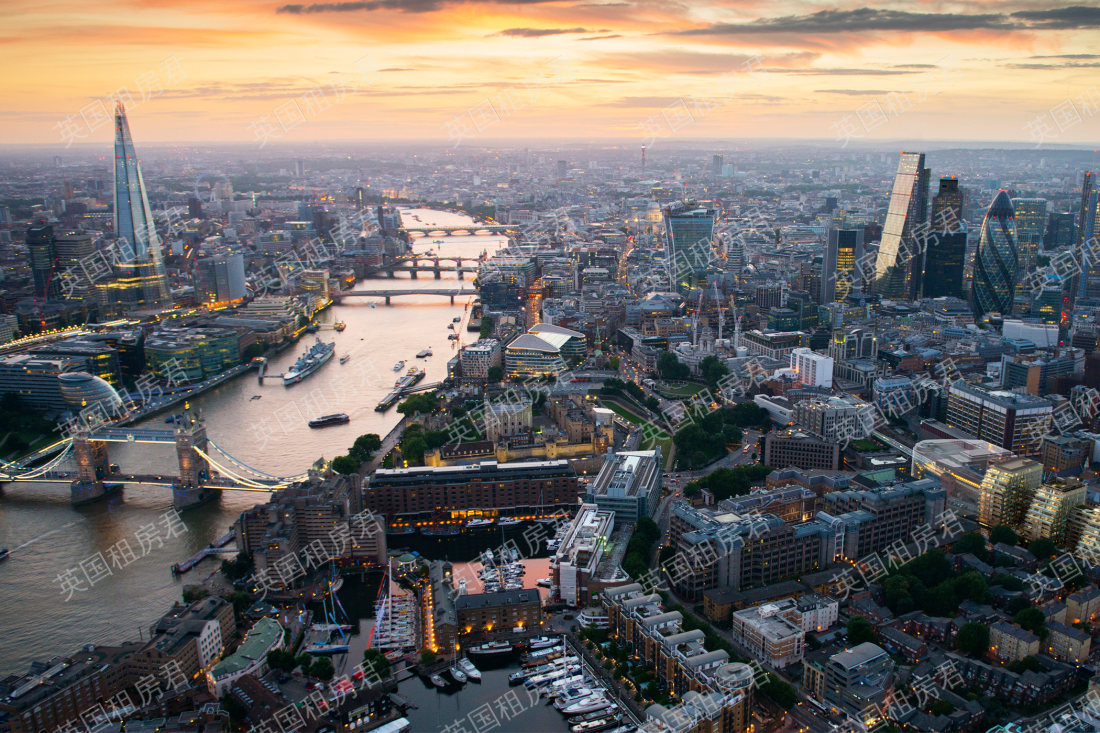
x,y
492,648
438,681
331,628
591,726
515,678
471,671
588,705
399,366
458,675
475,523
544,582
542,642
566,700
510,521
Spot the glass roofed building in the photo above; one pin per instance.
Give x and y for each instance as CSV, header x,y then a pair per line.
x,y
996,264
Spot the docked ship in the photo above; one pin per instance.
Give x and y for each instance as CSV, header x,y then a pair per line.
x,y
399,366
402,385
325,420
492,648
309,362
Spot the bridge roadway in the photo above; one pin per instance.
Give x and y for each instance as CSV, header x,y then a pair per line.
x,y
468,228
65,477
452,293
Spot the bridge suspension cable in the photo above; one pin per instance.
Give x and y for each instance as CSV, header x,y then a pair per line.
x,y
240,479
257,472
37,471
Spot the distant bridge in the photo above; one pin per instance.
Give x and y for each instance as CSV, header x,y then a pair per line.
x,y
459,231
452,293
417,263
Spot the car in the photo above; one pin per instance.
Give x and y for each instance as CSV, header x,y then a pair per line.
x,y
283,678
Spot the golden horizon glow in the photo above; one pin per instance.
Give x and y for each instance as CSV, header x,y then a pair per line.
x,y
631,71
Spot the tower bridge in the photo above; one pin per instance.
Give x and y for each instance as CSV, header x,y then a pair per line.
x,y
204,467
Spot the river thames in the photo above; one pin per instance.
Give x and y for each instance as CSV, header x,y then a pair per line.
x,y
117,595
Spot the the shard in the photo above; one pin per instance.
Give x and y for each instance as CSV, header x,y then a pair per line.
x,y
140,283
997,262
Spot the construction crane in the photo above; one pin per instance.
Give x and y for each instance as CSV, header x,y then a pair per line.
x,y
695,321
721,315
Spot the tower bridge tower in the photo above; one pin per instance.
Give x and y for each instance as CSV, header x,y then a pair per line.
x,y
190,487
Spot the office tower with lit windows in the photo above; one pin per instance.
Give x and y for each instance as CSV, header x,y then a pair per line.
x,y
1046,305
220,279
839,275
1061,230
139,281
55,260
947,205
897,268
40,249
1087,284
1011,420
1006,491
996,263
1031,218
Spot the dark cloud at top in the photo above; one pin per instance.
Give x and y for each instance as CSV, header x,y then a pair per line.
x,y
826,22
1071,18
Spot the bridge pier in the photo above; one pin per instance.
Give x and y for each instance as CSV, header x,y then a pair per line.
x,y
92,466
461,274
438,274
189,489
452,300
414,273
387,300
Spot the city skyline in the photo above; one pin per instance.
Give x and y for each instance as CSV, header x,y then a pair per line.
x,y
453,72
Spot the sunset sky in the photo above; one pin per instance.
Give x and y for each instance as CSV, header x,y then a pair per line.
x,y
644,70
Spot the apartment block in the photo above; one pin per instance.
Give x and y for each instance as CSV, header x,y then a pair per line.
x,y
765,633
1008,642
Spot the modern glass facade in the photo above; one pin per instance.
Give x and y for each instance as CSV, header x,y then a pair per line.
x,y
689,230
996,264
1031,219
1087,284
895,274
838,274
81,389
191,354
140,282
944,265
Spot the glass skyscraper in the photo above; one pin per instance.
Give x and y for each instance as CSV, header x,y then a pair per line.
x,y
1081,287
1061,230
947,205
689,230
1031,219
897,267
996,264
944,265
140,282
838,271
